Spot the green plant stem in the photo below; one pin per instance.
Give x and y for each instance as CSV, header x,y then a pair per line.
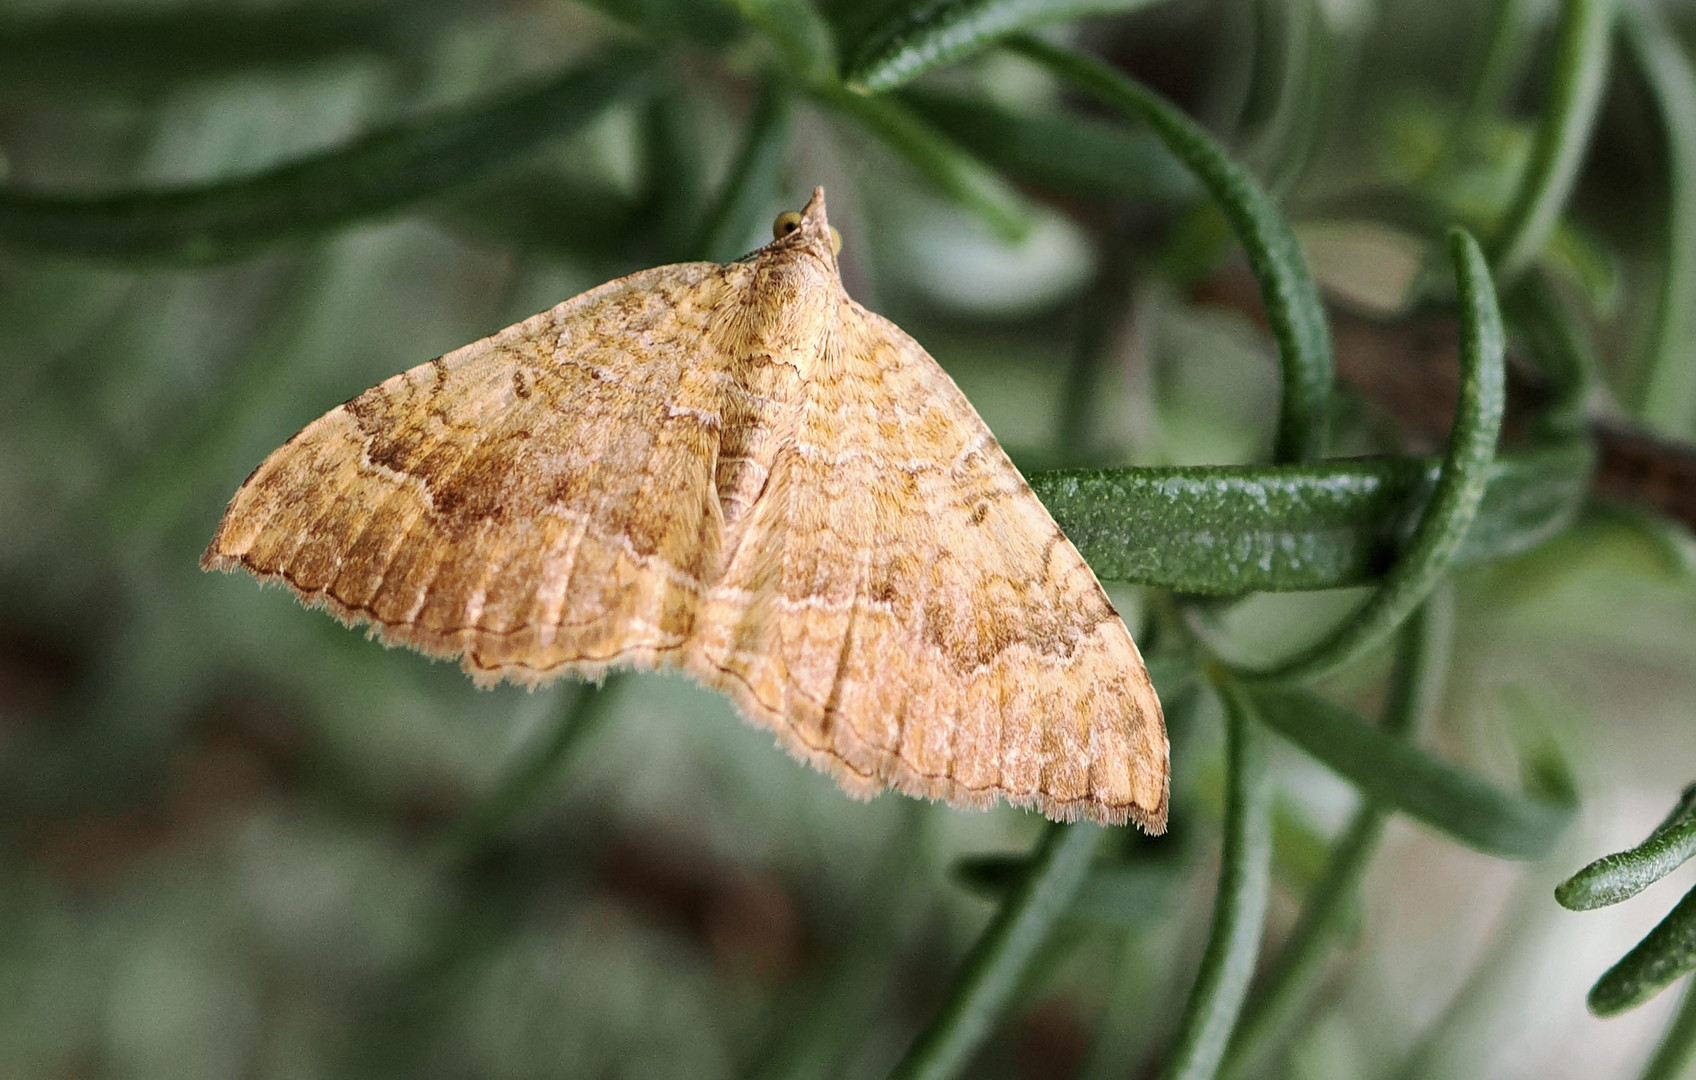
x,y
1057,151
748,188
1678,1045
1286,285
1502,62
1575,96
1443,527
1669,377
1002,955
1239,912
1415,685
518,790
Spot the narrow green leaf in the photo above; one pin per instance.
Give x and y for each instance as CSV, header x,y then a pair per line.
x,y
1002,955
1286,285
1613,878
517,792
1667,953
673,191
1563,349
1398,775
1239,911
1460,489
701,24
1285,141
821,1017
376,174
1575,95
536,208
1669,385
1113,894
1678,1046
914,37
121,53
1294,973
1071,155
748,190
1286,528
955,172
803,37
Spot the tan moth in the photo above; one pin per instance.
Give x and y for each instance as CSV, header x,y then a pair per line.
x,y
738,472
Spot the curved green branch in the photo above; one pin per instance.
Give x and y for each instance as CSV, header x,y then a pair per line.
x,y
1460,489
1678,1046
952,170
1239,912
518,789
1415,685
1286,285
1002,955
747,191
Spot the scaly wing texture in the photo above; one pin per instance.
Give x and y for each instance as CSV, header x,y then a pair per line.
x,y
740,471
542,498
903,610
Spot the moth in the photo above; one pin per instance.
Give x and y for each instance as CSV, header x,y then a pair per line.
x,y
737,472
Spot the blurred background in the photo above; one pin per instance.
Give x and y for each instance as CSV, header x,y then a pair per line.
x,y
241,840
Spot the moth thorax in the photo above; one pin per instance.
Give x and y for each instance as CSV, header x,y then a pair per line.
x,y
787,307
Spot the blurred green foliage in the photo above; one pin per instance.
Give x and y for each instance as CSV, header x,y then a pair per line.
x,y
1189,260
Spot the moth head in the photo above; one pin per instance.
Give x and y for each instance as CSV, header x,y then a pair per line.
x,y
790,220
807,231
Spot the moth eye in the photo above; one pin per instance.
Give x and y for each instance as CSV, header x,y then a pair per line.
x,y
786,223
835,241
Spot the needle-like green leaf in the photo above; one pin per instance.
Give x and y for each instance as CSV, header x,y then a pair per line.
x,y
377,174
1669,386
914,37
1667,953
121,51
1239,911
798,32
1575,95
951,169
734,218
1071,155
1286,528
1286,284
1613,878
1291,976
1391,771
1460,488
1002,955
